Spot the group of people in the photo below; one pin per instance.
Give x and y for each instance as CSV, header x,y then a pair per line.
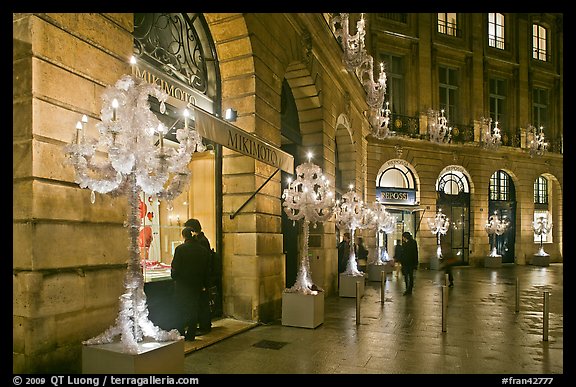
x,y
406,254
191,271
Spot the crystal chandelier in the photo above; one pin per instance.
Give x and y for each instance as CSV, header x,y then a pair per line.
x,y
353,45
537,146
382,221
439,226
496,226
129,132
350,213
438,127
491,138
541,227
308,198
356,60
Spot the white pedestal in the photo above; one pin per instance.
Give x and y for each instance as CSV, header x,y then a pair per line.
x,y
348,285
302,310
493,261
152,358
540,260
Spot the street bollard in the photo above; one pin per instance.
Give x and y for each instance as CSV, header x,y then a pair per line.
x,y
545,317
517,296
444,306
357,302
446,279
382,286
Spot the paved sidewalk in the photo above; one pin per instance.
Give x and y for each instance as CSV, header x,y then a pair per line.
x,y
484,334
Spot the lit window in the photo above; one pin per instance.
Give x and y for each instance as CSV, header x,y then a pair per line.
x,y
539,42
447,24
496,30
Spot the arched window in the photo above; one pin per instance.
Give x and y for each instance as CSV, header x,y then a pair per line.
x,y
452,183
500,187
397,176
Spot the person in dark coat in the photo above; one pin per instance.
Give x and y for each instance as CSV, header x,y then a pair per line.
x,y
409,260
343,252
190,271
204,316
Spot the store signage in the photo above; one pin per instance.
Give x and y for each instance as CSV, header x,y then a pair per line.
x,y
396,195
232,137
211,127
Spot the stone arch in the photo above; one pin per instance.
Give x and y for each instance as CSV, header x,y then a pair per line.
x,y
308,104
345,167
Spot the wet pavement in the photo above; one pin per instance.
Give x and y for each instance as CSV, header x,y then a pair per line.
x,y
484,334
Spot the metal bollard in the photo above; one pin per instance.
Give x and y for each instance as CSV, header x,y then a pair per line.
x,y
357,302
444,306
382,286
446,279
517,296
545,317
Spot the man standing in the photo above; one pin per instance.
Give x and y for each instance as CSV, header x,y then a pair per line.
x,y
190,272
343,252
409,260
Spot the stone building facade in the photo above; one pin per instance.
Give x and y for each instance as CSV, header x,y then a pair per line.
x,y
70,255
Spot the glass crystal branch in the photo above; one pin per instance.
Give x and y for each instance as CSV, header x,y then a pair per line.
x,y
350,213
491,137
496,226
542,227
356,60
128,163
537,146
439,226
382,221
438,127
308,198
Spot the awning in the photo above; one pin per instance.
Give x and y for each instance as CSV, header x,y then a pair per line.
x,y
404,207
224,133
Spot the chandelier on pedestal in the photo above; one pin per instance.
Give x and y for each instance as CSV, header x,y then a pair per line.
x,y
537,146
496,226
438,128
350,214
439,226
382,221
542,227
131,162
308,198
491,137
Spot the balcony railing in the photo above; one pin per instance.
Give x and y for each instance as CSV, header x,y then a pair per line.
x,y
409,126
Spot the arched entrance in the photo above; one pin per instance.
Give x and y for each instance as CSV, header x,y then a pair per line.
x,y
453,199
502,201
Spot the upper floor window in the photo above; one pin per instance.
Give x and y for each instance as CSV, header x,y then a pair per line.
x,y
539,41
500,186
539,107
448,88
541,190
394,66
447,24
496,30
497,98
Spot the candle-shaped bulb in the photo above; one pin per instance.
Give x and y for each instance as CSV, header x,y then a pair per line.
x,y
186,115
114,108
132,60
161,135
84,119
78,130
309,155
